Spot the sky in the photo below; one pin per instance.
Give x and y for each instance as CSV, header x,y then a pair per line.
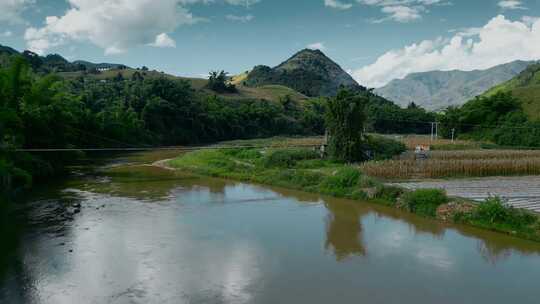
x,y
374,40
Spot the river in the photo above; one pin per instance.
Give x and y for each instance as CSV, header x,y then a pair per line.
x,y
148,235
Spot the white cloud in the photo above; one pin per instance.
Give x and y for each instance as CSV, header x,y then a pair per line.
x,y
511,4
317,46
114,25
246,3
499,41
403,13
164,41
11,10
243,19
337,4
402,10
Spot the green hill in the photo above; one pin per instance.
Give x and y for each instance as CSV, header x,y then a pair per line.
x,y
309,72
526,88
266,92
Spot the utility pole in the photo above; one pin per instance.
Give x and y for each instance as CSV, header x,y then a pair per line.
x,y
453,134
432,130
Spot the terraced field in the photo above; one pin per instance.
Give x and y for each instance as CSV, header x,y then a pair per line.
x,y
520,192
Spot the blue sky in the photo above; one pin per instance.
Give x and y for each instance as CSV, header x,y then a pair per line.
x,y
375,40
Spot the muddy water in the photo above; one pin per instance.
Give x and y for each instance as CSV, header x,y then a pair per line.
x,y
147,235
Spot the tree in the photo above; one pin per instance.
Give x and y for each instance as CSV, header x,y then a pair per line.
x,y
217,82
345,118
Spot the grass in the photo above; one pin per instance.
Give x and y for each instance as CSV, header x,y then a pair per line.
x,y
494,214
413,141
289,168
268,92
453,164
425,201
271,93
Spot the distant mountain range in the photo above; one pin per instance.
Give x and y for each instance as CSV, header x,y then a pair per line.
x,y
53,62
438,90
309,72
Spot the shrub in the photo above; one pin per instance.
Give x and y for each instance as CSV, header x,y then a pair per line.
x,y
389,193
344,178
425,201
385,148
243,153
288,158
495,211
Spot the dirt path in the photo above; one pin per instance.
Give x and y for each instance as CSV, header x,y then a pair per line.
x,y
163,164
521,192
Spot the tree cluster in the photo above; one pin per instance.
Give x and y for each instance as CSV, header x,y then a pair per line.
x,y
498,118
50,112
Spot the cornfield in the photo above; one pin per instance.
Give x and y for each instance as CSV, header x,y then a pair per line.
x,y
477,163
477,154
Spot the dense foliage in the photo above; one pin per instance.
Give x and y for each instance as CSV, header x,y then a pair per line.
x,y
45,111
387,118
345,119
499,118
217,82
424,201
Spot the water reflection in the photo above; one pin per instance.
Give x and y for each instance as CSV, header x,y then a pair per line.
x,y
344,230
141,238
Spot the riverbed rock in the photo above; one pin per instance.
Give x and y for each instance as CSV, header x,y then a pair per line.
x,y
446,212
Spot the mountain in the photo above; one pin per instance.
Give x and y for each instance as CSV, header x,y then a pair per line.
x,y
309,72
437,90
526,88
52,62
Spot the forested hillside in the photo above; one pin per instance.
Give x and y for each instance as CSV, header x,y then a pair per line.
x,y
499,118
526,88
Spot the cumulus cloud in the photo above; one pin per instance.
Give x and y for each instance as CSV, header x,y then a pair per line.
x,y
11,10
114,25
317,46
500,41
164,41
243,19
511,4
402,10
337,4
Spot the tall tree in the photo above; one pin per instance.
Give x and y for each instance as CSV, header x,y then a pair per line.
x,y
345,119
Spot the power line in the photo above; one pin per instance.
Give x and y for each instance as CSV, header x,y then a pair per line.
x,y
457,124
136,149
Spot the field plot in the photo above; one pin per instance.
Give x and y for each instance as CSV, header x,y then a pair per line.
x,y
458,164
520,192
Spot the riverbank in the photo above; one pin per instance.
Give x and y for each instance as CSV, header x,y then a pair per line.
x,y
301,169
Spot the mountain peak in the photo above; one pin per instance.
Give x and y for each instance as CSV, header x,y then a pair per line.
x,y
309,72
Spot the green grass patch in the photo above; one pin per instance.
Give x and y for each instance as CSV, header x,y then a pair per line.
x,y
495,215
424,201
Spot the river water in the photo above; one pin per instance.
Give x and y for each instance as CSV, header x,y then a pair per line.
x,y
147,235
